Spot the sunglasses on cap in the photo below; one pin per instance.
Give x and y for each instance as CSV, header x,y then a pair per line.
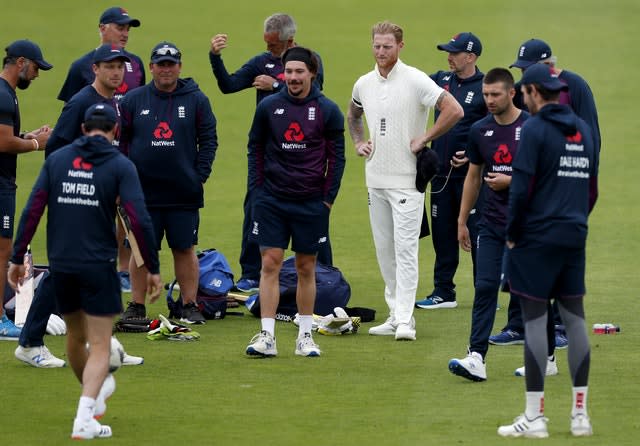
x,y
167,51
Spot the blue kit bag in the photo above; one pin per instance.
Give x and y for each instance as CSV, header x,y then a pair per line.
x,y
215,281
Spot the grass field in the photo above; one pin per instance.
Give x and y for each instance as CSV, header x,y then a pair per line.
x,y
363,390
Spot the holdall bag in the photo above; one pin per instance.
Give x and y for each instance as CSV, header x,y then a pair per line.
x,y
214,282
332,290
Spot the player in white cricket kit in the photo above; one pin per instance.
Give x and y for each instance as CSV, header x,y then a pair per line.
x,y
396,100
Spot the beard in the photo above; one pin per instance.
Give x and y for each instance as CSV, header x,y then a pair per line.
x,y
23,82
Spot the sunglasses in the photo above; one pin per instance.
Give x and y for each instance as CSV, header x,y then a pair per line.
x,y
168,51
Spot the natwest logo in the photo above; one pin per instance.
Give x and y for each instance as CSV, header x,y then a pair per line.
x,y
294,133
79,163
163,131
502,155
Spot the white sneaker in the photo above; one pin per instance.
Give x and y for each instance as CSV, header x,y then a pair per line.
x,y
263,344
406,332
388,328
523,427
89,430
472,367
306,347
128,359
107,389
552,368
38,357
581,425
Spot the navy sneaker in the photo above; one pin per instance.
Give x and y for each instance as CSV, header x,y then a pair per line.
x,y
561,340
432,302
247,285
125,281
507,337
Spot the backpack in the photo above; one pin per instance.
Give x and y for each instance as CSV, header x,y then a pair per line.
x,y
214,282
332,290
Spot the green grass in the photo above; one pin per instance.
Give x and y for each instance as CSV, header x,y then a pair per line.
x,y
364,390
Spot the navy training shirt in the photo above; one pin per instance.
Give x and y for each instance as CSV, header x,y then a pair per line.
x,y
554,181
495,146
9,115
468,93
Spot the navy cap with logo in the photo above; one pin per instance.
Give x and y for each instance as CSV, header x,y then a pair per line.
x,y
530,52
165,51
28,50
101,112
118,15
542,74
109,52
463,42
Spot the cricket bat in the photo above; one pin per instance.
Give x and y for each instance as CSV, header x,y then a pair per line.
x,y
126,224
238,296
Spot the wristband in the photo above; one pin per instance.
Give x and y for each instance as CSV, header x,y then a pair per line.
x,y
36,145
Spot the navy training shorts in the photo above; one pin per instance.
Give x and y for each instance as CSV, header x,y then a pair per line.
x,y
180,226
276,222
93,288
543,272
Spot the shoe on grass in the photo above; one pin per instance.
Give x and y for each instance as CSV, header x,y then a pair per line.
x,y
135,311
387,328
89,430
581,425
472,367
247,285
8,330
191,314
125,281
263,344
523,427
434,302
507,337
305,346
39,356
552,368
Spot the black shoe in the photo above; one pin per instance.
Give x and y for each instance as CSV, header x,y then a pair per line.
x,y
191,314
135,311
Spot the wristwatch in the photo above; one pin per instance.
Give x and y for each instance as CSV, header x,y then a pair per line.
x,y
275,85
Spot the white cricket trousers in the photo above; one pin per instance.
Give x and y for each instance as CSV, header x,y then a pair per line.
x,y
396,216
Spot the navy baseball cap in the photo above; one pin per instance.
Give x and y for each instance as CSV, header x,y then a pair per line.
x,y
530,52
542,74
118,15
28,50
101,112
165,51
109,52
466,42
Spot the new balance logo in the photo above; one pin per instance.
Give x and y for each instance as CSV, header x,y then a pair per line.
x,y
255,231
488,133
517,136
181,112
322,240
446,78
144,112
403,201
279,111
312,114
269,65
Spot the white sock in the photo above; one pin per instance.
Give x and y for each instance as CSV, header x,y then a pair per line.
x,y
579,401
306,324
86,408
535,405
269,325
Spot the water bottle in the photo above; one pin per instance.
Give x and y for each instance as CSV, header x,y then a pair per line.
x,y
605,329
